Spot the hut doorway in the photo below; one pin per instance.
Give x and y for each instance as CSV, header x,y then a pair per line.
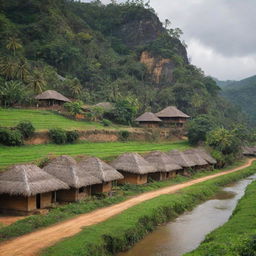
x,y
53,199
38,201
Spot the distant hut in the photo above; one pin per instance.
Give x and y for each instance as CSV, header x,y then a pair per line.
x,y
134,168
207,157
102,171
172,116
50,98
165,167
149,120
106,106
66,169
249,151
26,188
183,160
201,164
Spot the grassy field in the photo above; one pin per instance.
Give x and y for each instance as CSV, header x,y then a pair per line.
x,y
44,120
65,212
125,229
107,150
238,236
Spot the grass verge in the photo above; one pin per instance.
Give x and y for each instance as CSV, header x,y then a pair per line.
x,y
107,150
238,236
65,212
124,230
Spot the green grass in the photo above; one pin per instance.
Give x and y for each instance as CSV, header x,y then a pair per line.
x,y
62,213
125,229
45,120
238,236
107,150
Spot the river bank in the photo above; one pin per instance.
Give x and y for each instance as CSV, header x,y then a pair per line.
x,y
124,230
237,237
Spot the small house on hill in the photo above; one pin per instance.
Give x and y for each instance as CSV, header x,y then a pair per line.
x,y
165,167
149,120
134,168
197,159
183,160
102,171
66,169
25,188
51,97
172,116
249,151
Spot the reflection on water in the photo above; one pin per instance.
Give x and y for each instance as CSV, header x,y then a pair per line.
x,y
189,230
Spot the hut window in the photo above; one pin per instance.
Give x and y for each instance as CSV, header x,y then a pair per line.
x,y
81,190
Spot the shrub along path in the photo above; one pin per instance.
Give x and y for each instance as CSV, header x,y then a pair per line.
x,y
32,243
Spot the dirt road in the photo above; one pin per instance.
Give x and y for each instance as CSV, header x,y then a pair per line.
x,y
8,220
31,244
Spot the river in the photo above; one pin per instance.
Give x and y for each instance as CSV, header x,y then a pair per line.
x,y
186,232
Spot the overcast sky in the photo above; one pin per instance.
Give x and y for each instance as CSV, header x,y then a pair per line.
x,y
220,34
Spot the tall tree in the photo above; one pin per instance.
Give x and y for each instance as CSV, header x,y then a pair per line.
x,y
13,44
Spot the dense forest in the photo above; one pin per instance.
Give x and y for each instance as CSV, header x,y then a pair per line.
x,y
242,93
95,52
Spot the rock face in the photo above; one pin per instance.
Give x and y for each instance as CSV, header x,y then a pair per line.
x,y
161,69
141,29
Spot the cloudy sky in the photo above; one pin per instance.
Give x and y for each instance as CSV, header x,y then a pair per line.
x,y
220,34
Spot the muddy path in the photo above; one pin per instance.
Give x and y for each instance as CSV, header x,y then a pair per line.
x,y
31,244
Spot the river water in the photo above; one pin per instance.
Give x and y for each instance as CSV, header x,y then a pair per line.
x,y
186,232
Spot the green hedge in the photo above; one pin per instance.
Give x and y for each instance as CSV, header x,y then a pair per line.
x,y
124,230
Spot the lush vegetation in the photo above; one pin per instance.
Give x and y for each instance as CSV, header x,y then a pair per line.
x,y
237,236
37,153
70,210
242,93
91,52
120,232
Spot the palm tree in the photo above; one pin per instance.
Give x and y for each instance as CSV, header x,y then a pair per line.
x,y
8,67
22,71
37,81
75,87
13,44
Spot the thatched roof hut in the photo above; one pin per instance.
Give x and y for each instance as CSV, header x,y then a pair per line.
x,y
181,159
162,162
96,167
66,169
28,180
133,163
206,156
52,95
107,106
171,112
148,117
195,157
249,151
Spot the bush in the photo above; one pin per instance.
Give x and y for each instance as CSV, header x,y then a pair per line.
x,y
26,128
10,137
72,136
106,122
58,136
124,135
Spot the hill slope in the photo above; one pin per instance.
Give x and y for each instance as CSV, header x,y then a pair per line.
x,y
243,94
103,53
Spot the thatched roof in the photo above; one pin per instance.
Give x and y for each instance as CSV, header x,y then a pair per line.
x,y
181,159
107,106
162,162
171,111
100,169
249,151
133,163
206,156
195,157
148,117
51,95
66,169
28,180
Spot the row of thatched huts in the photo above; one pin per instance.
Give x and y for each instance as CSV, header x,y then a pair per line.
x,y
26,188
